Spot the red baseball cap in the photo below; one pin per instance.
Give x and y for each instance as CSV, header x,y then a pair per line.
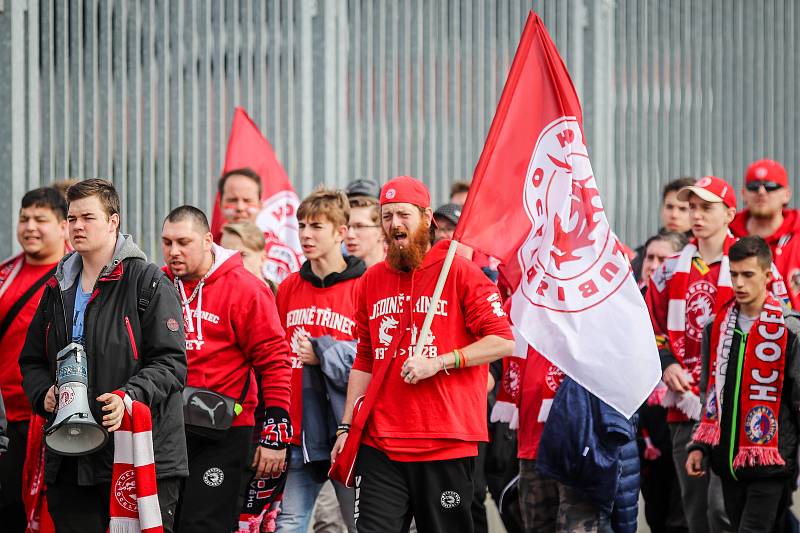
x,y
710,189
767,170
405,189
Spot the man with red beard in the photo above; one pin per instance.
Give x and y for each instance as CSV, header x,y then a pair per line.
x,y
766,193
427,414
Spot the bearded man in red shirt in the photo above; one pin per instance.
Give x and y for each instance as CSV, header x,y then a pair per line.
x,y
417,451
766,194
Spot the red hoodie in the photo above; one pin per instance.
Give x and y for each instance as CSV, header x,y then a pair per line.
x,y
313,311
233,328
443,417
785,246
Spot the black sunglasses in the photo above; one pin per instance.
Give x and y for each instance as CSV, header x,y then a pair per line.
x,y
769,186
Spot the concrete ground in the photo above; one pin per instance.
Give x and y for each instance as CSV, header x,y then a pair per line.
x,y
496,526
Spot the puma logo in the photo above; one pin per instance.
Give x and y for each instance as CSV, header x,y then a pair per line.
x,y
197,402
386,324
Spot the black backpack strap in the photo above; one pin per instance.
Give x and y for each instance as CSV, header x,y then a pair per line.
x,y
243,395
148,289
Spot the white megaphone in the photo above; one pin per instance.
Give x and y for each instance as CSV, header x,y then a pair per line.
x,y
74,430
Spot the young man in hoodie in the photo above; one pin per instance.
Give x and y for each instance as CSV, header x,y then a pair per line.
x,y
749,382
427,414
231,327
317,308
766,194
681,299
96,299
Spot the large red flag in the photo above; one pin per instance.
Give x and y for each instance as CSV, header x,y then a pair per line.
x,y
247,148
534,204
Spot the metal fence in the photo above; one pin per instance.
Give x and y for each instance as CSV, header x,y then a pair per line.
x,y
143,92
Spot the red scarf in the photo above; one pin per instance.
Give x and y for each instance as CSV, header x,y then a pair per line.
x,y
506,407
760,384
33,496
134,495
689,402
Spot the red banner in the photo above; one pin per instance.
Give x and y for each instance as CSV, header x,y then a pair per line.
x,y
574,299
247,148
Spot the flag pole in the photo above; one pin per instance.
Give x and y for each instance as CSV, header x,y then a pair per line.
x,y
437,293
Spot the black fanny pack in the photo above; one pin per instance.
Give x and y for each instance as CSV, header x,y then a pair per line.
x,y
209,414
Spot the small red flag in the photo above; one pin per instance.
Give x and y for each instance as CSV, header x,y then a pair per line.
x,y
574,299
247,148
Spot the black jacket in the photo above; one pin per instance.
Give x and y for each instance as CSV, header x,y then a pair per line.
x,y
720,455
145,355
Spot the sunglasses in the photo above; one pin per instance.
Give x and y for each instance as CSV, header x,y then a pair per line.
x,y
769,186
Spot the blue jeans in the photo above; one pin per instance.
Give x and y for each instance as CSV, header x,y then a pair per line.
x,y
298,497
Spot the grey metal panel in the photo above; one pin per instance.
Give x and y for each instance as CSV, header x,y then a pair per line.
x,y
143,92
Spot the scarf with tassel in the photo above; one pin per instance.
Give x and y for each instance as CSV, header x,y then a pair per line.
x,y
760,381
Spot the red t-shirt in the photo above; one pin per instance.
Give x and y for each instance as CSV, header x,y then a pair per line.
x,y
313,312
539,383
442,417
17,407
785,246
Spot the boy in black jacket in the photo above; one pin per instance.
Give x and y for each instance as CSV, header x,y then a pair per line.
x,y
94,299
749,387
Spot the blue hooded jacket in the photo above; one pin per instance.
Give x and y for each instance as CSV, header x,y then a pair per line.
x,y
589,446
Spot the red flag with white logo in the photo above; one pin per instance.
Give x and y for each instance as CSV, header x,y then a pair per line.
x,y
247,148
574,298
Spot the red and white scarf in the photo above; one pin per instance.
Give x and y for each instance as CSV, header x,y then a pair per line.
x,y
689,402
760,380
506,407
33,491
134,495
8,271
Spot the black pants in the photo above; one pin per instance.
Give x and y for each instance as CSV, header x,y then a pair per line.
x,y
85,509
438,494
478,509
210,495
12,510
757,506
663,508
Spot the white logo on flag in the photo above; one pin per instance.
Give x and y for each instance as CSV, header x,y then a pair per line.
x,y
571,259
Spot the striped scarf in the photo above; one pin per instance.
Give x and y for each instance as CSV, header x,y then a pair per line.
x,y
689,402
759,378
134,495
